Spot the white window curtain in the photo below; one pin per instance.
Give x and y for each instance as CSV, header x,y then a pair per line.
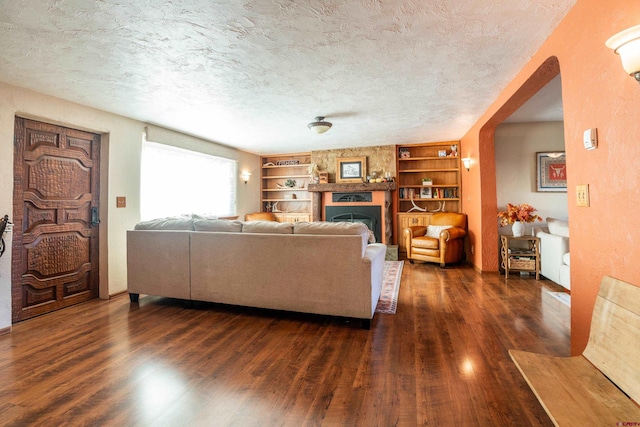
x,y
175,181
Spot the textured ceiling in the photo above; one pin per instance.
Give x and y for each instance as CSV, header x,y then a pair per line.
x,y
251,74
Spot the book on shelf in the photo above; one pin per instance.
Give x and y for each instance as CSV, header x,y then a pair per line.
x,y
450,193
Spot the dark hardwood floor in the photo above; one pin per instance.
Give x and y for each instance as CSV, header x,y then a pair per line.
x,y
441,360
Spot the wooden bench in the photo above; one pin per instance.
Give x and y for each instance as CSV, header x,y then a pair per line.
x,y
600,387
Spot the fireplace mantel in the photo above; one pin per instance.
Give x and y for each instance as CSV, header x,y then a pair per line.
x,y
351,187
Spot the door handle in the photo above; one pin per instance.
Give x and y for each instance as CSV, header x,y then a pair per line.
x,y
95,216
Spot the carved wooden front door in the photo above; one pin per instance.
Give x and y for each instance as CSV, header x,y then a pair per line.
x,y
55,241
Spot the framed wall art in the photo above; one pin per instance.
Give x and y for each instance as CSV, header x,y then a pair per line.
x,y
551,171
351,169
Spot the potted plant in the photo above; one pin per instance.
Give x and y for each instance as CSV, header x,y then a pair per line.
x,y
427,181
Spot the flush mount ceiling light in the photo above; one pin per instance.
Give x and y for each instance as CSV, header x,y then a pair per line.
x,y
319,126
627,44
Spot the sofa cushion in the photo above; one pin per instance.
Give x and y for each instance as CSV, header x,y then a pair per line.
x,y
559,227
341,228
169,223
204,216
565,258
330,228
267,227
217,225
434,230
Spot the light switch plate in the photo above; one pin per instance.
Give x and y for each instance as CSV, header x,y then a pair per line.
x,y
582,193
121,202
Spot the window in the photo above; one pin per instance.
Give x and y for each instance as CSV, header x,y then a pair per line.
x,y
175,181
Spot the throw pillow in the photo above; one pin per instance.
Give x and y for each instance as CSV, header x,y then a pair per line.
x,y
434,230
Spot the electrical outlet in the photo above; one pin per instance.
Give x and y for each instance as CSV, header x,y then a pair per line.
x,y
582,194
121,202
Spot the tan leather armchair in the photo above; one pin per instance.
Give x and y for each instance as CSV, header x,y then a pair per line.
x,y
260,216
446,248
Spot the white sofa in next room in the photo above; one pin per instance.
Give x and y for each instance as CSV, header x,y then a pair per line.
x,y
554,251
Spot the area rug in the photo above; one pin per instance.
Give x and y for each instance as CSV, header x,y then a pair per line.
x,y
563,297
390,287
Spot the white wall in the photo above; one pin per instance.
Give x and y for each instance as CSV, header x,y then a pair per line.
x,y
516,145
120,176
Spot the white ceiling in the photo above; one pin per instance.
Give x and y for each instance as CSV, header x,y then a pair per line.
x,y
252,73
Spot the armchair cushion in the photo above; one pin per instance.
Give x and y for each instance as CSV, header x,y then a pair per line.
x,y
425,242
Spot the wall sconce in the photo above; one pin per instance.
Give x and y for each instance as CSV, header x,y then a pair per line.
x,y
245,176
627,44
466,162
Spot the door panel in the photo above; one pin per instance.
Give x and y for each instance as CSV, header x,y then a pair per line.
x,y
55,246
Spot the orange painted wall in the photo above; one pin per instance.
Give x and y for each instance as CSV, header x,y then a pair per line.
x,y
596,93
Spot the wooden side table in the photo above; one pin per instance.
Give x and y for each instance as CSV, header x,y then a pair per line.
x,y
520,259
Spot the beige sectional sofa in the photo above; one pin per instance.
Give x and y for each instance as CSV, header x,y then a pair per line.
x,y
322,268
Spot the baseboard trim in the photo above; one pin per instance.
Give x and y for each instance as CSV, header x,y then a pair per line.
x,y
5,331
118,294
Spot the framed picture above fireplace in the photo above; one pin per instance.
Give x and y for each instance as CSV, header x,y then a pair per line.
x,y
351,169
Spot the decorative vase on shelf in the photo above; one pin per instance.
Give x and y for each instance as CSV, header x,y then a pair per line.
x,y
517,229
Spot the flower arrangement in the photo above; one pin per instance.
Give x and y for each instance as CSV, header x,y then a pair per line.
x,y
523,213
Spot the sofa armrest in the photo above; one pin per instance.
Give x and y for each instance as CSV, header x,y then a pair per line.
x,y
552,248
374,251
375,255
158,263
537,230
